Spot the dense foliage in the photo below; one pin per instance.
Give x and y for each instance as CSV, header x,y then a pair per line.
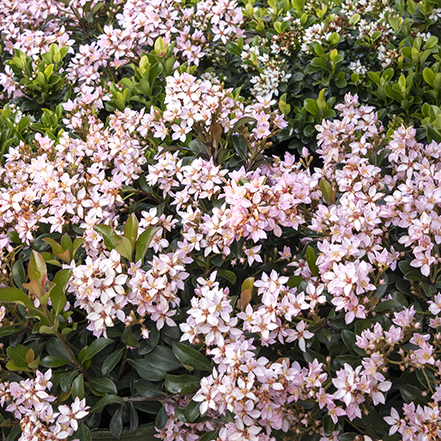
x,y
222,218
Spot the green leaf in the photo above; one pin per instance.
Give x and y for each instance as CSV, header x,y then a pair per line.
x,y
53,362
18,355
125,248
19,274
240,146
56,349
146,371
58,298
147,389
143,243
242,121
162,358
111,239
131,228
233,48
334,38
111,361
134,419
181,384
388,304
129,339
429,76
37,268
15,295
108,399
326,189
95,347
161,418
411,394
229,275
311,106
311,258
192,411
208,436
78,387
83,433
348,436
66,380
414,275
191,357
6,331
104,385
328,425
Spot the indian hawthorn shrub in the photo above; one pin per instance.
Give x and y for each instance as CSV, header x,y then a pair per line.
x,y
220,218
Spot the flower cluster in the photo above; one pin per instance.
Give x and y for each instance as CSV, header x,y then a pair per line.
x,y
31,404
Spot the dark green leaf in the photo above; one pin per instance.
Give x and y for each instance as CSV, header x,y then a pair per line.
x,y
53,362
111,361
162,358
161,418
229,275
108,399
411,394
348,436
66,380
192,411
244,120
240,146
129,339
5,331
191,357
415,276
211,435
104,385
116,423
83,433
181,384
233,48
146,371
78,387
328,425
19,274
56,349
147,389
95,347
134,420
311,258
388,304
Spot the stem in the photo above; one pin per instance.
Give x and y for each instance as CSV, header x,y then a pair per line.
x,y
123,363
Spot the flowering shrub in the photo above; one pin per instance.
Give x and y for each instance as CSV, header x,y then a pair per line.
x,y
161,264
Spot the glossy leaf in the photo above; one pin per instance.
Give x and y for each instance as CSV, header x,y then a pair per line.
x,y
111,239
146,371
131,228
143,243
111,361
104,385
15,295
181,384
311,258
58,298
95,347
108,399
191,357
